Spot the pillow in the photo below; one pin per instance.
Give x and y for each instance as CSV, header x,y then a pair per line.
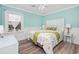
x,y
51,28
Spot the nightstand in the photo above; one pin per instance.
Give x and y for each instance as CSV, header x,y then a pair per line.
x,y
68,38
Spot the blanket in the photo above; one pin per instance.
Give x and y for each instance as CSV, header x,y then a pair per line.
x,y
46,39
36,34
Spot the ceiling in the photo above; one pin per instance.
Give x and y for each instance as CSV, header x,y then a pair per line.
x,y
50,8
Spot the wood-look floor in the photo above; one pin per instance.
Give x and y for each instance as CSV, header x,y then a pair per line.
x,y
27,47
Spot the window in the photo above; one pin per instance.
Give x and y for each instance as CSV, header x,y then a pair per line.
x,y
14,21
14,17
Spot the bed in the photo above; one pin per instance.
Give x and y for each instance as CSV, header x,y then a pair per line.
x,y
49,37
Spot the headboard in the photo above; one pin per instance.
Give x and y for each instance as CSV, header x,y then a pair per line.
x,y
60,23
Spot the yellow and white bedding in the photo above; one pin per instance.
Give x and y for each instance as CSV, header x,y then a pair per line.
x,y
47,39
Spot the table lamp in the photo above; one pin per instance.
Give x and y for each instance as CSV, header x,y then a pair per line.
x,y
68,27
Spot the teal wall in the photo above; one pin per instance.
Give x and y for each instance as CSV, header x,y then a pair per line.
x,y
0,15
71,16
30,20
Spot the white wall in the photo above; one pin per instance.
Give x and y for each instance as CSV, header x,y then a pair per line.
x,y
24,34
75,32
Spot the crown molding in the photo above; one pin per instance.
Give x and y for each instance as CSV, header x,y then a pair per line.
x,y
23,10
61,10
41,14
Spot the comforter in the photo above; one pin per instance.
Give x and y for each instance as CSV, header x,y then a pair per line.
x,y
46,39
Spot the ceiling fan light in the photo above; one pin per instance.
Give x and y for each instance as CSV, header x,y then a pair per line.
x,y
41,7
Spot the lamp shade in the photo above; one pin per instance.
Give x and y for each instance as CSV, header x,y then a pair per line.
x,y
1,29
68,25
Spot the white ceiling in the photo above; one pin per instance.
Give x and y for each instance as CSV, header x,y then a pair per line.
x,y
50,8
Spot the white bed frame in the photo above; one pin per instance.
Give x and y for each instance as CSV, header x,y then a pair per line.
x,y
60,23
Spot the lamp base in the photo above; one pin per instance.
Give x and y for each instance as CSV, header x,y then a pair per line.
x,y
68,30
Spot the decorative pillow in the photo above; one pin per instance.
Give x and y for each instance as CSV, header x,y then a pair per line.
x,y
51,28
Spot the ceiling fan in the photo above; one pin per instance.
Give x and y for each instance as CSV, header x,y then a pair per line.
x,y
40,7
